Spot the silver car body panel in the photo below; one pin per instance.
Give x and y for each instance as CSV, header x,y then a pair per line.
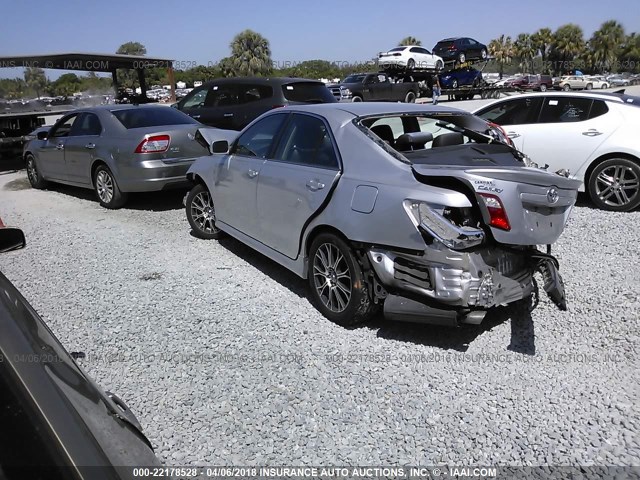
x,y
365,202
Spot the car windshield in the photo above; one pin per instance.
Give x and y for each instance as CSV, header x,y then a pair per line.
x,y
151,117
354,79
308,92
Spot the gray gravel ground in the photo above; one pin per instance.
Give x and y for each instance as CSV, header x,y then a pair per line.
x,y
223,359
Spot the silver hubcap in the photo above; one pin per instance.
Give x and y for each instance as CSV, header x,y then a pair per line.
x,y
104,186
32,173
332,278
617,185
203,213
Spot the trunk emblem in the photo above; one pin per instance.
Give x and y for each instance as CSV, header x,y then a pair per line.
x,y
553,195
191,136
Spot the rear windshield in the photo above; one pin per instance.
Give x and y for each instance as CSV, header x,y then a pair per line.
x,y
151,117
398,49
444,44
308,92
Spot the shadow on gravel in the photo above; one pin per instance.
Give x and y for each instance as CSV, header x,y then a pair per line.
x,y
459,339
267,266
21,183
148,201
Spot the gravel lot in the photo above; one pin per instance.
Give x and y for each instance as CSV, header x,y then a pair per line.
x,y
224,361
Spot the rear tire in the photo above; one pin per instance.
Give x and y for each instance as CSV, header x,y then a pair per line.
x,y
543,88
614,185
439,65
454,84
589,86
201,214
483,54
411,64
566,88
33,174
336,282
462,57
106,188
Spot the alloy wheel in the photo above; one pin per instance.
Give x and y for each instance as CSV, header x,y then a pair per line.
x,y
32,171
104,186
332,278
203,213
617,185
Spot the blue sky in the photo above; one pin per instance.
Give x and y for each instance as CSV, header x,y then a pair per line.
x,y
199,31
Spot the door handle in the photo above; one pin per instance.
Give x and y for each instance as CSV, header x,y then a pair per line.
x,y
315,185
227,115
60,146
513,134
252,173
592,132
90,146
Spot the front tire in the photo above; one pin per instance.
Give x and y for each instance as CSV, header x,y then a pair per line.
x,y
356,98
543,88
614,185
336,282
439,65
454,84
410,98
589,86
411,64
33,174
106,188
201,214
483,54
462,58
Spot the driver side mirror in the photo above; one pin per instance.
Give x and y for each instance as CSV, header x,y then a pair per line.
x,y
42,135
221,146
11,239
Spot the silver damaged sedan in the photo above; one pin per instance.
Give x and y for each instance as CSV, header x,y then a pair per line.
x,y
116,149
427,212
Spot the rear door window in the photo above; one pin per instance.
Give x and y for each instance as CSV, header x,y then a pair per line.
x,y
520,111
87,124
565,109
598,108
222,96
254,93
307,92
306,141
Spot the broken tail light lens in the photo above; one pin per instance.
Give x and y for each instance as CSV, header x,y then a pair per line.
x,y
154,144
497,214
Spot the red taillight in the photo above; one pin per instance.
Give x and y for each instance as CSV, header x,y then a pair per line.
x,y
154,144
503,132
497,213
1,224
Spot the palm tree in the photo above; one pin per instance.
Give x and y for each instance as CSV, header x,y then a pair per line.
x,y
407,41
542,40
606,43
630,52
35,79
250,54
502,49
524,49
568,43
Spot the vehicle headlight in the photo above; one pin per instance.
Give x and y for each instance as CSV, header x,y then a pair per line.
x,y
448,225
345,92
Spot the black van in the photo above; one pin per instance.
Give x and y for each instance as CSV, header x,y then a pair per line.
x,y
233,103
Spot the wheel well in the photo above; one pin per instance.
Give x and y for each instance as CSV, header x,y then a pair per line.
x,y
599,160
320,229
195,179
95,165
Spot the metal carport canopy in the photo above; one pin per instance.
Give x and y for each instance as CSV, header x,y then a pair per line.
x,y
93,62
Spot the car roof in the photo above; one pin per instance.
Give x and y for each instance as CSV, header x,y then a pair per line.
x,y
260,80
617,97
362,109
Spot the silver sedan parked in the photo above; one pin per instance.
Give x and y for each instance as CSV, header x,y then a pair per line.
x,y
427,211
116,149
